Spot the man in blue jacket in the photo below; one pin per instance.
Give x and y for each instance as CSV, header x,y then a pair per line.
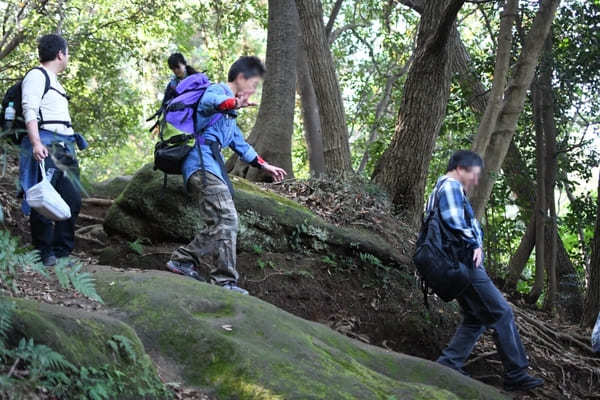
x,y
206,178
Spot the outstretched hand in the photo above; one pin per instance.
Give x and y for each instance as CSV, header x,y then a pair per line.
x,y
277,173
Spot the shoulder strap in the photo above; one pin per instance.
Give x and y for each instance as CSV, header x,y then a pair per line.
x,y
436,196
47,84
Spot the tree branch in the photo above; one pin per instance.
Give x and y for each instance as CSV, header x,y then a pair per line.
x,y
331,21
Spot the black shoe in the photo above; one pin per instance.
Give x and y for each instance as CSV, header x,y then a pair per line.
x,y
49,261
186,269
528,382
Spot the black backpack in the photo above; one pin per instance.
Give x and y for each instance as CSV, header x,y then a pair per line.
x,y
441,257
14,95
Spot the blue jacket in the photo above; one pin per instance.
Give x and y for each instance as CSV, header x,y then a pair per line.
x,y
225,131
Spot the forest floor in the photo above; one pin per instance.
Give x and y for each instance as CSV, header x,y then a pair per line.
x,y
374,304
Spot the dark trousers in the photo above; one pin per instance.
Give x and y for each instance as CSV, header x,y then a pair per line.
x,y
483,307
56,237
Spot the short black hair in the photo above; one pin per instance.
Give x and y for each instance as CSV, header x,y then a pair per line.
x,y
465,159
50,45
249,66
175,59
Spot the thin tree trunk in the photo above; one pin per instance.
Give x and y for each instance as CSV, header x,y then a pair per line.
x,y
272,132
592,299
382,106
402,169
514,100
540,203
550,132
580,233
310,114
519,259
329,97
503,52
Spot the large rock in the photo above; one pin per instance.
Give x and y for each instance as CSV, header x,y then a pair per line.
x,y
110,188
146,210
244,348
83,337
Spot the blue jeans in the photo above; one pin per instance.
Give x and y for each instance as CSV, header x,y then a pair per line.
x,y
483,307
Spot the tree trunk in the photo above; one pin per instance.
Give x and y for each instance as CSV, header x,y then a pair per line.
x,y
514,100
592,299
519,259
402,169
540,203
329,97
310,114
503,53
550,133
272,132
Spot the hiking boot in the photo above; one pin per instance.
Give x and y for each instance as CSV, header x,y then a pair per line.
x,y
525,383
186,269
234,288
49,261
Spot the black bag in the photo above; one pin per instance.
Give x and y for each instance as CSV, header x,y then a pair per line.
x,y
441,257
170,154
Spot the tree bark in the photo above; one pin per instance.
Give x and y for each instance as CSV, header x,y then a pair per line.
x,y
272,132
503,55
540,203
329,97
519,259
514,100
402,169
310,114
592,299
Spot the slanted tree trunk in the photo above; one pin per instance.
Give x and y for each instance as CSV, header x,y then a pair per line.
x,y
402,169
326,86
514,100
540,198
310,113
519,259
592,299
503,53
272,132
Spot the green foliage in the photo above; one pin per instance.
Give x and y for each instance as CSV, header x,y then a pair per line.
x,y
14,258
257,249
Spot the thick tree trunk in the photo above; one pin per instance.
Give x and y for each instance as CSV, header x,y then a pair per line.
x,y
329,97
514,100
402,169
503,53
592,298
272,132
540,198
310,114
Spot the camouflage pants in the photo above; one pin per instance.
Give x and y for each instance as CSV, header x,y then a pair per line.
x,y
213,248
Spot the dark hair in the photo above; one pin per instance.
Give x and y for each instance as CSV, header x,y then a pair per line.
x,y
50,45
249,66
465,159
176,59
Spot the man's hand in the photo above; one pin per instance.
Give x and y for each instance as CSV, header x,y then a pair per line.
x,y
39,151
478,257
242,100
277,173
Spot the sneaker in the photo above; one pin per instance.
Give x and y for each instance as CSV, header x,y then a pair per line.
x,y
234,288
186,269
49,261
528,382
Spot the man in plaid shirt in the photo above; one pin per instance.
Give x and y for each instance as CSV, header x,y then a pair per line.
x,y
482,304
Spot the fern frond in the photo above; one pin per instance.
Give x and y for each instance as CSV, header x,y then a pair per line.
x,y
127,346
6,312
84,284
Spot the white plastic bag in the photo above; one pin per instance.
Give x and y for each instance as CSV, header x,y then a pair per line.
x,y
596,335
44,199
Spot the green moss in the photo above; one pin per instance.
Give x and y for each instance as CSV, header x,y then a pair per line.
x,y
268,353
248,187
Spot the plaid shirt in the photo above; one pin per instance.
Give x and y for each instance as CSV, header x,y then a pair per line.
x,y
456,210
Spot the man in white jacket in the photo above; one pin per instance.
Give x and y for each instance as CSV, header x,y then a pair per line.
x,y
50,137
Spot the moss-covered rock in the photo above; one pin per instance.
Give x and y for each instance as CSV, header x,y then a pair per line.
x,y
85,339
273,222
245,348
